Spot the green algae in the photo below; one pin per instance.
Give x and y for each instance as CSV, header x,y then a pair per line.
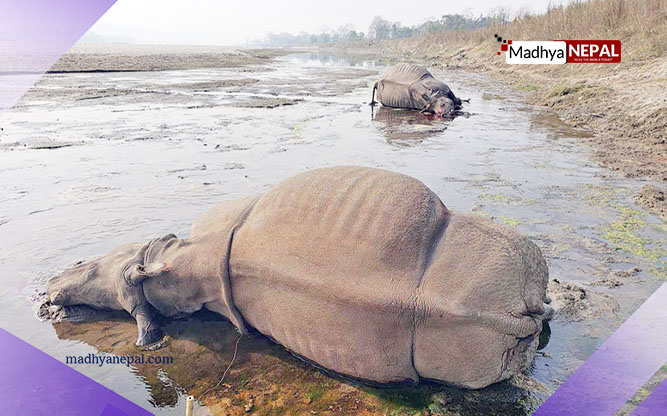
x,y
507,199
528,87
316,392
496,197
512,222
624,234
402,401
602,195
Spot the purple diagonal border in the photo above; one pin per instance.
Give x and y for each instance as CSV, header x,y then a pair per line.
x,y
623,364
36,384
655,404
34,34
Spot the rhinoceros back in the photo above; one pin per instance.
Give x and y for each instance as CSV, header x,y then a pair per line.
x,y
393,90
328,263
406,74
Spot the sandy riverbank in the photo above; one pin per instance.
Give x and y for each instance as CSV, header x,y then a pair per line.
x,y
119,57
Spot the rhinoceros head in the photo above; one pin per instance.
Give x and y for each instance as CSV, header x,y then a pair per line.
x,y
113,282
440,105
94,283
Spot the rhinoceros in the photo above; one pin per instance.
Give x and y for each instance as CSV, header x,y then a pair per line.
x,y
361,271
413,87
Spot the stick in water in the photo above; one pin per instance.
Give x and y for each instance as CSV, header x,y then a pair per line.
x,y
236,349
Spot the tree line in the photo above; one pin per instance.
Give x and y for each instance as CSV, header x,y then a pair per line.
x,y
380,28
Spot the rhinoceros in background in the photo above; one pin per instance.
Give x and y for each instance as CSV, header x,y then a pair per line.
x,y
412,87
362,271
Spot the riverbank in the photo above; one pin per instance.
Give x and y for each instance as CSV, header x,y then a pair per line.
x,y
624,105
120,57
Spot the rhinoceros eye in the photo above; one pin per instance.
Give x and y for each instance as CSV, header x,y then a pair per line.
x,y
91,273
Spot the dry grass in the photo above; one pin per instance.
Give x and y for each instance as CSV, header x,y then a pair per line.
x,y
641,25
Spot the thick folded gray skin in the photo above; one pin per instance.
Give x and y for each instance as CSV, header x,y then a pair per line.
x,y
411,86
363,271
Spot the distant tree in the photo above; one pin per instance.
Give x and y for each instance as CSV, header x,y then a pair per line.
x,y
355,36
379,28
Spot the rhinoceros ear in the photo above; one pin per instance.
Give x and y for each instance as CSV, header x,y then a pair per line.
x,y
428,102
136,274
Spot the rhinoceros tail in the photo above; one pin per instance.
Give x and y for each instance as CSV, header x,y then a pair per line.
x,y
375,87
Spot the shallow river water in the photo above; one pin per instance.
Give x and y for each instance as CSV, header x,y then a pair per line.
x,y
92,160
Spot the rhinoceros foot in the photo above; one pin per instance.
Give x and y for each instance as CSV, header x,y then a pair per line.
x,y
549,313
151,340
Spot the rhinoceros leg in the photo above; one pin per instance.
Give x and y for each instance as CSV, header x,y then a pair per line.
x,y
149,332
133,298
420,96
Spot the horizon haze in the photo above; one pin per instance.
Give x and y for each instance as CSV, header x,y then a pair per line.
x,y
210,22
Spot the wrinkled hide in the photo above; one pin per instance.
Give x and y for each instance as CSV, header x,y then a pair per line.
x,y
413,87
362,271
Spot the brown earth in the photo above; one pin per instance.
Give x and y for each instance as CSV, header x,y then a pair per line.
x,y
652,198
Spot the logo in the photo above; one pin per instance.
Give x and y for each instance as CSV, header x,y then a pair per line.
x,y
560,51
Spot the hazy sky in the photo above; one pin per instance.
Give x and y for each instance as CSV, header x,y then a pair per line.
x,y
201,22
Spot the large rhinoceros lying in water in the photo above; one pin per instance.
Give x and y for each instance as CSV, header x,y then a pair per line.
x,y
412,87
362,271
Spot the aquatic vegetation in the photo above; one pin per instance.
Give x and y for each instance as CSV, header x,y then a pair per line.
x,y
508,199
602,195
481,213
640,396
297,129
402,401
496,197
316,392
624,234
512,222
558,249
528,87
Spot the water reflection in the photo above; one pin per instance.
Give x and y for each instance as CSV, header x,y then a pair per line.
x,y
319,59
407,127
269,380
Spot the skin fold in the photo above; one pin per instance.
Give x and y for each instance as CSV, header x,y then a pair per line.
x,y
362,271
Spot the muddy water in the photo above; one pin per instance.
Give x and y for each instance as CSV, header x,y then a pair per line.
x,y
91,161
